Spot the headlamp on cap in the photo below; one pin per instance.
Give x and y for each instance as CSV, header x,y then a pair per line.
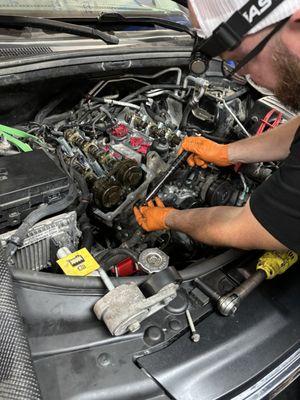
x,y
228,35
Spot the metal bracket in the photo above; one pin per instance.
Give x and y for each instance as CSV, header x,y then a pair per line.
x,y
125,307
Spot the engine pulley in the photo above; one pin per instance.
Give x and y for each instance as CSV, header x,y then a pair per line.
x,y
107,193
128,173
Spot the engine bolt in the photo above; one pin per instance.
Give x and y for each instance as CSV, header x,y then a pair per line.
x,y
195,335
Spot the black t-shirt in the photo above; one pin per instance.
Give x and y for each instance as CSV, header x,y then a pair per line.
x,y
276,203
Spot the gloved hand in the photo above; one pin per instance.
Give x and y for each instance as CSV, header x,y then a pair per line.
x,y
152,216
205,151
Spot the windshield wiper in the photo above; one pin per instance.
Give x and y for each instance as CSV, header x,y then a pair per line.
x,y
164,23
57,26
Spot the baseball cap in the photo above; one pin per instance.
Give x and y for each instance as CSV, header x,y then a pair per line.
x,y
211,13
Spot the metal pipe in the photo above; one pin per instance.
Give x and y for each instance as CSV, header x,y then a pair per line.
x,y
121,103
235,118
250,284
96,89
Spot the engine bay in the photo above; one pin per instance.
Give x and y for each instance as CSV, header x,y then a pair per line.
x,y
109,150
100,307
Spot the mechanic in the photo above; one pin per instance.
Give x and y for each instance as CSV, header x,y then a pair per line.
x,y
271,217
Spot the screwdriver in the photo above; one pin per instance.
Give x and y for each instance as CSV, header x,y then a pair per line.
x,y
174,166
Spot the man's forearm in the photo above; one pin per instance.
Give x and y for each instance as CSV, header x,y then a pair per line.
x,y
223,226
271,146
204,224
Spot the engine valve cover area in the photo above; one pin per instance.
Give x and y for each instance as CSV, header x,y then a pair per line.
x,y
27,180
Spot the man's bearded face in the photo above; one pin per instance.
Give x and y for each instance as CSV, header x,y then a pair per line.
x,y
287,66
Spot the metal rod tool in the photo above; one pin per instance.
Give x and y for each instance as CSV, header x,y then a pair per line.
x,y
174,166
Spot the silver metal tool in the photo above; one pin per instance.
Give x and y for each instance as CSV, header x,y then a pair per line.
x,y
195,335
174,166
230,302
270,264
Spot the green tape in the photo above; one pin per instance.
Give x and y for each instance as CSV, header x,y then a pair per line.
x,y
18,133
16,142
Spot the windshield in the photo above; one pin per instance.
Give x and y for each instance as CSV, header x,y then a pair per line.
x,y
86,8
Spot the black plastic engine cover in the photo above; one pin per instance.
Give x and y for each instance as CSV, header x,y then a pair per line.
x,y
27,180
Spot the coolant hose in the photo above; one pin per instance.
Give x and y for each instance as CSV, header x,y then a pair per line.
x,y
18,380
35,216
95,284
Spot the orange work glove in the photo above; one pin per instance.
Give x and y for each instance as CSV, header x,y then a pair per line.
x,y
152,216
205,151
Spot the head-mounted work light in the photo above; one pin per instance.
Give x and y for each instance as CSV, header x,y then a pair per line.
x,y
228,35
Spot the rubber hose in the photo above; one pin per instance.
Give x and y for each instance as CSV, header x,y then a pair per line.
x,y
45,111
152,114
93,283
52,119
127,252
185,116
85,193
206,267
18,379
35,216
215,138
87,239
206,135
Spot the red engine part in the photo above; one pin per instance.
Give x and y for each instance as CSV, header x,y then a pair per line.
x,y
140,145
120,131
125,267
265,126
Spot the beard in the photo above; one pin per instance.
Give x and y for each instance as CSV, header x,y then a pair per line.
x,y
287,66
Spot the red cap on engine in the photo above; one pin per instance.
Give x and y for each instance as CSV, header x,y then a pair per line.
x,y
125,267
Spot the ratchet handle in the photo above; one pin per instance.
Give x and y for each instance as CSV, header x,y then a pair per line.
x,y
174,166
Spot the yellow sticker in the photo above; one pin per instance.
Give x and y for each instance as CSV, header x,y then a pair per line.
x,y
79,263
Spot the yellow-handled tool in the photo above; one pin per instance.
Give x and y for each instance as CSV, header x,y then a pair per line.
x,y
270,264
